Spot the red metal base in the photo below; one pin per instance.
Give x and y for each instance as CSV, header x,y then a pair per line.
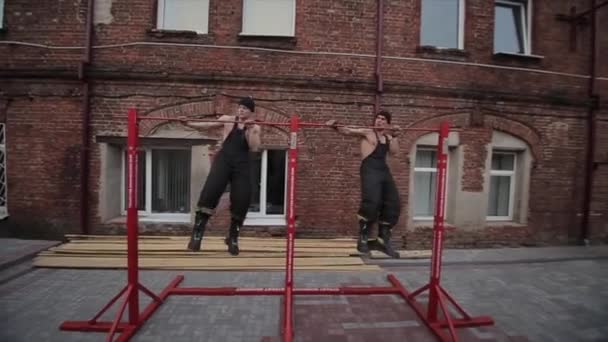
x,y
127,329
449,322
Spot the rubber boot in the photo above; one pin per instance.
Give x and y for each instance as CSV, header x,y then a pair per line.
x,y
232,240
363,235
384,238
200,221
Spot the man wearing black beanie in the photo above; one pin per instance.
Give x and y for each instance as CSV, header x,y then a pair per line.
x,y
231,165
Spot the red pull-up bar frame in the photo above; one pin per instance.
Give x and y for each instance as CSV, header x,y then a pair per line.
x,y
437,295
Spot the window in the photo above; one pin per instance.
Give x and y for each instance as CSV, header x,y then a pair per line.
x,y
1,14
187,15
163,188
512,21
442,23
3,207
425,183
269,17
268,188
502,186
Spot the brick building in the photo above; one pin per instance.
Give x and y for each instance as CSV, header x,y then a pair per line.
x,y
521,78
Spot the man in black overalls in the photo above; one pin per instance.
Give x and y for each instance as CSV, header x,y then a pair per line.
x,y
230,165
379,196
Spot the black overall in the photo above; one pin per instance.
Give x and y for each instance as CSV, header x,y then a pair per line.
x,y
379,196
231,165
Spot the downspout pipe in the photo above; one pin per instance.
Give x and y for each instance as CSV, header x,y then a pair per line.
x,y
85,112
591,130
379,52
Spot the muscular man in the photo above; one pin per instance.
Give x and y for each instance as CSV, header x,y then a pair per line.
x,y
379,195
230,165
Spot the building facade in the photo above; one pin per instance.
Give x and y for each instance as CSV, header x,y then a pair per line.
x,y
523,81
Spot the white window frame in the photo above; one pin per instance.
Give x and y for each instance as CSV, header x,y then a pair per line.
x,y
461,31
1,14
513,176
434,170
292,30
261,218
147,213
160,18
3,170
527,22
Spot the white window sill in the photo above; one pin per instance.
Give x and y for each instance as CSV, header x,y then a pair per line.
x,y
278,220
424,219
429,223
502,223
169,218
175,30
499,219
265,35
517,55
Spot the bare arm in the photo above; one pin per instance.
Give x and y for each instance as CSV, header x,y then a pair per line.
x,y
393,146
208,125
360,132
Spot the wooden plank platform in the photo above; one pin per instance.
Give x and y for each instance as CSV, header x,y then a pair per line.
x,y
169,252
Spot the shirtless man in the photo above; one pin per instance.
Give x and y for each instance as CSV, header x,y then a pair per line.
x,y
230,165
379,195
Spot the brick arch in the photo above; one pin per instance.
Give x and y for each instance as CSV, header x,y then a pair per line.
x,y
460,120
269,113
516,128
464,120
188,109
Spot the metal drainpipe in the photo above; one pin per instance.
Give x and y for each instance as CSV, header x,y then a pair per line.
x,y
86,102
379,51
591,120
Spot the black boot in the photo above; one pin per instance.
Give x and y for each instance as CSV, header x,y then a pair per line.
x,y
200,221
384,239
363,235
232,240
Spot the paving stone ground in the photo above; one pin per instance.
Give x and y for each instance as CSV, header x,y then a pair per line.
x,y
560,300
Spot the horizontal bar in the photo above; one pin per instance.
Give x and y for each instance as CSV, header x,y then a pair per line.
x,y
225,291
315,124
276,291
301,124
157,118
89,326
467,323
346,291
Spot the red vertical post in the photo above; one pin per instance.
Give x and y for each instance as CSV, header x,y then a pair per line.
x,y
291,227
439,218
132,217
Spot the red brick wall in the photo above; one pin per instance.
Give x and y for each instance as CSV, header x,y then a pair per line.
x,y
546,110
43,160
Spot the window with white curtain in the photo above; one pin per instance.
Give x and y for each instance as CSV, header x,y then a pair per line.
x,y
268,183
502,186
186,15
425,183
512,26
442,23
269,17
163,186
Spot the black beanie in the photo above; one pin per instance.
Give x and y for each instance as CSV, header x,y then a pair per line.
x,y
248,102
